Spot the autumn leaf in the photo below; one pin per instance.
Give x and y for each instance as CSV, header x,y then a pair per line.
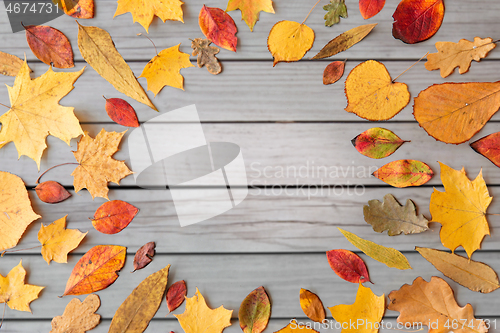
x,y
489,147
461,209
390,215
141,305
176,295
83,9
344,41
333,72
78,317
121,112
35,112
144,256
404,173
461,54
164,69
218,27
51,192
336,9
469,273
96,165
386,255
377,142
255,311
113,216
57,241
417,20
50,45
433,303
99,51
289,41
312,306
206,55
294,327
370,8
348,265
96,270
15,206
199,318
15,292
368,307
10,65
144,11
372,94
250,9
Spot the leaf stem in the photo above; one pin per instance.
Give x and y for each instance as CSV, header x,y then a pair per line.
x,y
9,251
310,11
140,34
38,180
8,107
416,62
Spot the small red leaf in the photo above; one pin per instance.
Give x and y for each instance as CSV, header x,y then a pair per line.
x,y
50,45
144,256
121,112
218,27
489,147
176,295
417,20
333,72
348,265
51,192
370,8
113,216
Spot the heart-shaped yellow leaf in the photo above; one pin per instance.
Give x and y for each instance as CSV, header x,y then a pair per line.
x,y
289,41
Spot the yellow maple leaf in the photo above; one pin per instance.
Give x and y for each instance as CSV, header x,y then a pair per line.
x,y
14,292
15,210
143,11
35,112
294,327
461,54
57,241
366,312
164,69
461,209
250,9
97,167
199,318
289,41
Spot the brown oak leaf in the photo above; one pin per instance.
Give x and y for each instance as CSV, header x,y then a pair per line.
x,y
206,55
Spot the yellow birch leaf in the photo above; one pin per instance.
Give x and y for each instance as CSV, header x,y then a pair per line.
x,y
372,95
199,318
250,9
164,69
461,209
289,41
78,317
294,327
386,255
143,11
57,241
16,213
366,312
15,292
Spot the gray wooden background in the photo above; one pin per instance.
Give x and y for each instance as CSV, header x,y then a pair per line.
x,y
281,117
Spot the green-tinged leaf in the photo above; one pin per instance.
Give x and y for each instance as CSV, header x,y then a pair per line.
x,y
255,311
377,142
336,9
404,173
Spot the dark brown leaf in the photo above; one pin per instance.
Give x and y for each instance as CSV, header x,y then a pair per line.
x,y
144,256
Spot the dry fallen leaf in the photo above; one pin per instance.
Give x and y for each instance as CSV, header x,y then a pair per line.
x,y
50,45
15,292
15,207
336,9
35,112
83,9
218,27
121,112
78,317
113,216
488,147
404,173
250,9
433,304
461,209
57,241
377,142
312,306
206,55
333,72
255,311
390,215
370,8
294,327
96,164
144,256
176,294
417,20
144,11
10,64
51,192
348,265
289,41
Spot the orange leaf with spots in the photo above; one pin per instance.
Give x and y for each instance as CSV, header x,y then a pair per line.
x,y
218,27
417,20
113,216
50,45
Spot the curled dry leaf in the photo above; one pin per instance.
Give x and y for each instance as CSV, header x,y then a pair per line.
x,y
461,209
417,20
451,55
336,9
113,216
333,72
386,255
51,192
16,211
293,327
312,306
218,27
50,45
83,9
289,41
78,317
371,93
469,273
348,265
370,8
176,295
141,305
144,11
250,9
433,304
96,270
377,142
488,146
10,65
121,112
255,311
15,292
404,173
144,256
206,55
390,215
